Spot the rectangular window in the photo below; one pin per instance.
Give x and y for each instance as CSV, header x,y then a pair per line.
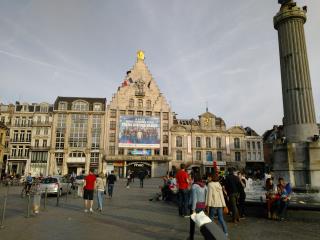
x,y
59,139
165,115
44,143
148,113
96,122
78,130
209,156
28,139
178,141
165,139
130,112
249,156
112,125
22,135
253,145
112,137
236,143
198,142
157,114
38,131
198,156
59,158
120,151
111,150
237,156
45,131
248,145
157,151
14,151
122,112
113,113
219,156
165,151
208,142
94,157
259,156
259,145
36,143
139,113
165,127
95,138
26,152
179,155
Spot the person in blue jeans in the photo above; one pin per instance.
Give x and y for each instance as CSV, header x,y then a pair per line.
x,y
110,181
100,185
215,202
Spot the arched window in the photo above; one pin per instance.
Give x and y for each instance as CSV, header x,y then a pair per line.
x,y
80,106
178,141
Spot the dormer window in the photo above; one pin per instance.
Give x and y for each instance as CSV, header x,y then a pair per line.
x,y
80,106
97,107
62,106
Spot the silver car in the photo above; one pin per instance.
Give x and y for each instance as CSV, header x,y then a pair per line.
x,y
55,183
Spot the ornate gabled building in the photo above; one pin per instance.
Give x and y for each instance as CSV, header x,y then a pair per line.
x,y
200,142
138,123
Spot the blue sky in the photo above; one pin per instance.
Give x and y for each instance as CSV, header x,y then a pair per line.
x,y
221,52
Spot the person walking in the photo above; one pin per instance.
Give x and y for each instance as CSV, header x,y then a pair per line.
x,y
182,178
89,186
128,178
233,188
100,186
29,182
198,200
141,175
215,202
111,180
242,195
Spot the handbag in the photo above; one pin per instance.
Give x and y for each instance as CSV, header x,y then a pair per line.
x,y
105,192
200,205
225,210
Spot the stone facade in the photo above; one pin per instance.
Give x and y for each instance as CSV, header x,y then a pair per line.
x,y
30,130
3,133
296,157
78,134
138,96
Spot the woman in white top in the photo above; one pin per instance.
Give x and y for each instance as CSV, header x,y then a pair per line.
x,y
100,186
215,202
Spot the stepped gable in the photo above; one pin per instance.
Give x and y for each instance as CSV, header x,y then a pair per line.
x,y
139,83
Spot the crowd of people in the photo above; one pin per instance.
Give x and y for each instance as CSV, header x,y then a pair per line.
x,y
219,194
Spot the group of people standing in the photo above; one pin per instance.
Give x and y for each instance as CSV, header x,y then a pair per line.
x,y
101,185
213,195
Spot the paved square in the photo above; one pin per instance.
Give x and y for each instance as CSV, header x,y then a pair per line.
x,y
129,215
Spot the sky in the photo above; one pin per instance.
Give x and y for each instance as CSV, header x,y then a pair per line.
x,y
219,53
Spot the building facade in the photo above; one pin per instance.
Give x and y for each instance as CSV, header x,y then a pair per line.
x,y
78,134
136,130
26,122
138,123
3,133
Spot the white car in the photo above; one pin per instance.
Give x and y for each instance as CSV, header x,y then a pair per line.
x,y
55,183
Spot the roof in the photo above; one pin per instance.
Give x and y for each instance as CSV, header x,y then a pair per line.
x,y
251,132
69,100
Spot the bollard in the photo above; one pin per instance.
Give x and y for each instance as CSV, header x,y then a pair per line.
x,y
45,199
4,208
58,197
28,205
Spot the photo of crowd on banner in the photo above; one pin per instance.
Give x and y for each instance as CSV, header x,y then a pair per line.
x,y
139,131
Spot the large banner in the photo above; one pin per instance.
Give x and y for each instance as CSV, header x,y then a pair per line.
x,y
139,132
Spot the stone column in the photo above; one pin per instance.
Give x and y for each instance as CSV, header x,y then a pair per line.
x,y
299,114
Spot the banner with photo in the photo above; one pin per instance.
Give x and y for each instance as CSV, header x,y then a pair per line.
x,y
139,132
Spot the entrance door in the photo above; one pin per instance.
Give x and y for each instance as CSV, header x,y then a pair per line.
x,y
137,167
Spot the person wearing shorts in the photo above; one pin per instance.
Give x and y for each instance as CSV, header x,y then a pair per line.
x,y
89,185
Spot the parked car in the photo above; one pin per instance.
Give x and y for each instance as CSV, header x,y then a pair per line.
x,y
54,183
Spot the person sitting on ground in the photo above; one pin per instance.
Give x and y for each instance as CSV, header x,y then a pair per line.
x,y
283,200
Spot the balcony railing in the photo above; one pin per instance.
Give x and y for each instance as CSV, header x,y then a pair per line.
x,y
19,157
40,148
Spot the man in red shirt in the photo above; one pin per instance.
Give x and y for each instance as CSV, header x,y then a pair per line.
x,y
89,185
183,194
